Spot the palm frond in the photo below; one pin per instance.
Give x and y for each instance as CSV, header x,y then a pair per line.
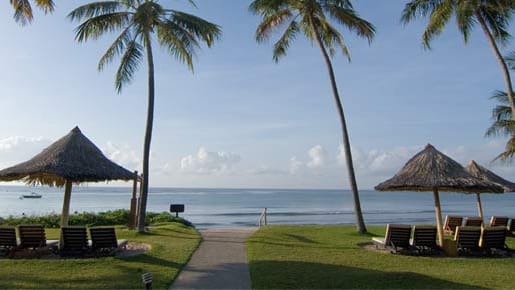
x,y
197,26
271,23
465,12
509,152
331,38
180,42
95,27
284,42
267,7
129,64
440,16
349,18
95,9
498,20
501,97
116,48
510,60
418,8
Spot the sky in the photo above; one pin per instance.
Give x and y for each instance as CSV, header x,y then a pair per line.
x,y
243,121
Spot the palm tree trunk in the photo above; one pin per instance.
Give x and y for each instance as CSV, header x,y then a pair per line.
x,y
500,59
360,223
148,137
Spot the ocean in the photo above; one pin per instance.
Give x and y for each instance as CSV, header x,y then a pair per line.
x,y
216,207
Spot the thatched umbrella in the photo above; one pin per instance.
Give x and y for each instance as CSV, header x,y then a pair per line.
x,y
480,172
431,170
71,159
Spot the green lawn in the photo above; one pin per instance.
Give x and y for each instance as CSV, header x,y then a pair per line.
x,y
329,257
172,245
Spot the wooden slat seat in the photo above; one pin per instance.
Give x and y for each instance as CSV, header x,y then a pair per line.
x,y
32,236
75,241
474,221
424,239
451,222
493,239
467,239
104,240
396,237
8,239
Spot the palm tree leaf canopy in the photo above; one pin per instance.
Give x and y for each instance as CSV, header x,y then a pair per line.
x,y
479,171
430,169
74,158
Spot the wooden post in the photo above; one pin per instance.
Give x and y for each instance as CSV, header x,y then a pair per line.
x,y
65,215
438,213
479,206
138,210
134,202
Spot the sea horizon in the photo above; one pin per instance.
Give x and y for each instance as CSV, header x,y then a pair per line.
x,y
229,207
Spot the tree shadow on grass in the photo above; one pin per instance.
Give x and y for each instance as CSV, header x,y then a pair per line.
x,y
303,275
147,259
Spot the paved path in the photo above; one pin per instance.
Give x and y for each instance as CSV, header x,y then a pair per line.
x,y
219,263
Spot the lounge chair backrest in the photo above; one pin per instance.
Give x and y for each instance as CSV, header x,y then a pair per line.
x,y
32,236
424,236
511,227
473,221
397,235
467,237
8,237
497,221
451,222
493,237
75,239
103,238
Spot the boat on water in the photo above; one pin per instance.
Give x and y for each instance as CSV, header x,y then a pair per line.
x,y
31,195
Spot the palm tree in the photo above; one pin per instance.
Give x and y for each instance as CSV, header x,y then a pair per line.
x,y
140,23
23,9
503,123
492,15
313,18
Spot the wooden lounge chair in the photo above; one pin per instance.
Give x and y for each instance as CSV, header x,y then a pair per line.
x,y
451,222
497,221
473,221
8,239
467,239
511,227
75,242
493,239
424,239
32,236
104,241
396,238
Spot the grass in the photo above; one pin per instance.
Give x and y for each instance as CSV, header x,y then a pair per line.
x,y
328,257
172,245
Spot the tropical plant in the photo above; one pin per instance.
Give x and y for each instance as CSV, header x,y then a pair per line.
x,y
493,17
314,19
23,9
140,23
502,117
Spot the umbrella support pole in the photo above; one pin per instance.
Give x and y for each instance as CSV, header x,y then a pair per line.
x,y
134,202
438,212
479,206
66,203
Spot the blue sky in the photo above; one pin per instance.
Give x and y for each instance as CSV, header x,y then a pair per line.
x,y
243,121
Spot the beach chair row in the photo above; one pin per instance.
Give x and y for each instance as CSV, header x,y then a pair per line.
x,y
398,238
451,222
422,239
75,240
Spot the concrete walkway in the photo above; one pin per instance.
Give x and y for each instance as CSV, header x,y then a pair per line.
x,y
219,263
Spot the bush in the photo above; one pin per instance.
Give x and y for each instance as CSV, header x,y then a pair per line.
x,y
109,218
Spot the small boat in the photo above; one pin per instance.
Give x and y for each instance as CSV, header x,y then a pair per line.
x,y
32,195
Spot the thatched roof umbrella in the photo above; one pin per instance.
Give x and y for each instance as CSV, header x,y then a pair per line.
x,y
480,172
431,170
71,159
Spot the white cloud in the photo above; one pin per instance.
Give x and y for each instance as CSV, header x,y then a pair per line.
x,y
123,155
206,162
317,156
295,165
17,149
